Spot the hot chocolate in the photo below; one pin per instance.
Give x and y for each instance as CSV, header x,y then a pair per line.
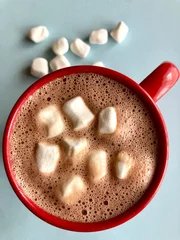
x,y
135,134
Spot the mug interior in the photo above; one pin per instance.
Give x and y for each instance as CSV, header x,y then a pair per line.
x,y
161,164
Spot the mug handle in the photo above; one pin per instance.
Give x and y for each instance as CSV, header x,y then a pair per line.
x,y
161,80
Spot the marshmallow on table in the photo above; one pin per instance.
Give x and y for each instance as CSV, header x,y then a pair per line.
x,y
38,34
99,36
59,62
74,146
78,112
80,48
39,67
123,165
99,64
120,32
61,46
107,121
97,165
47,156
51,118
72,189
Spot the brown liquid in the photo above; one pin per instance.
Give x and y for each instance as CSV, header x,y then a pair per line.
x,y
136,134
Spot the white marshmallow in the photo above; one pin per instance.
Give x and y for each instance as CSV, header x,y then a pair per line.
x,y
107,121
99,36
39,67
80,48
61,46
78,112
97,165
73,146
72,189
123,164
59,62
51,118
99,64
38,34
120,32
47,157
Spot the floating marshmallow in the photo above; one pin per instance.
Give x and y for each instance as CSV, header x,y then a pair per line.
x,y
122,165
58,63
78,112
120,32
61,46
99,36
39,67
99,64
72,189
97,165
38,34
51,118
47,156
74,146
107,121
80,48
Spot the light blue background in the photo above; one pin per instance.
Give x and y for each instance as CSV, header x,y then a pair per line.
x,y
154,37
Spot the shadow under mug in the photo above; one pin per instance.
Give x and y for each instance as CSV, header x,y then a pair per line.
x,y
150,90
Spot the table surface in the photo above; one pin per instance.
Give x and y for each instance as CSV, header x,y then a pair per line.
x,y
153,38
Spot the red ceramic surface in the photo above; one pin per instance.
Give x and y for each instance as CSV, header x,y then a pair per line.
x,y
150,90
161,80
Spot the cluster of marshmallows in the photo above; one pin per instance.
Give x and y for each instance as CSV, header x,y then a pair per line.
x,y
39,67
49,155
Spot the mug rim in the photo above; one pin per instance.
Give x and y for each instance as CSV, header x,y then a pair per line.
x,y
151,190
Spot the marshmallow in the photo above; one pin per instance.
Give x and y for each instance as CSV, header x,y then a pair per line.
x,y
73,146
39,67
122,165
78,112
107,121
97,165
59,62
80,48
47,157
61,46
51,118
99,36
120,32
99,64
72,189
38,34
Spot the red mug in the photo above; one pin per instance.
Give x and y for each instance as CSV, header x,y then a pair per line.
x,y
150,90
